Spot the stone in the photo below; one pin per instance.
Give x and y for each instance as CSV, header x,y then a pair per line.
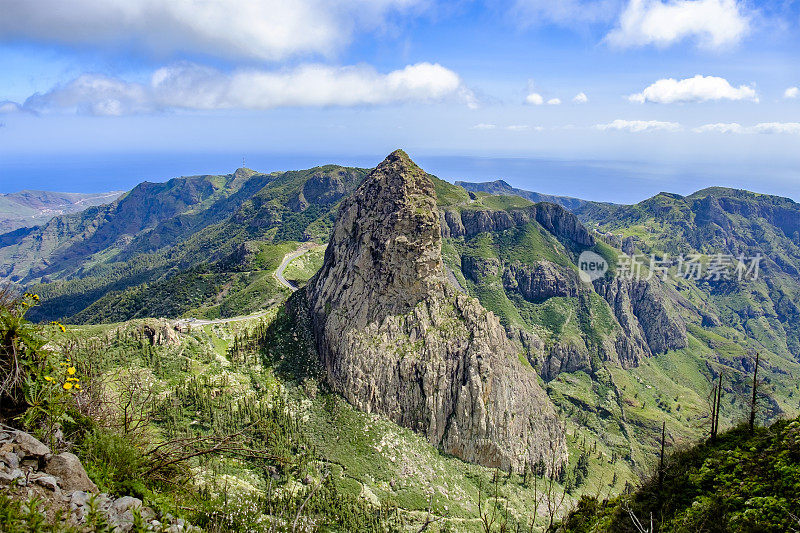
x,y
11,477
10,458
397,339
46,481
69,469
126,503
30,445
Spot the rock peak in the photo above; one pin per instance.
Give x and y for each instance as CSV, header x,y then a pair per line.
x,y
395,339
386,244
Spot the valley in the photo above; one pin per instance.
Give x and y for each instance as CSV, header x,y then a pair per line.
x,y
403,353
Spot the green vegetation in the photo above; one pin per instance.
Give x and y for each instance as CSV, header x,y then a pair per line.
x,y
740,482
301,269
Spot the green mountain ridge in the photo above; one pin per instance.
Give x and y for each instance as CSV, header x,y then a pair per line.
x,y
27,208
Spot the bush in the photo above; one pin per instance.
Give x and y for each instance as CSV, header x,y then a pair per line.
x,y
115,463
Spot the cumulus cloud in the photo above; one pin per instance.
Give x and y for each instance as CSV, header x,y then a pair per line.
x,y
713,23
790,128
792,92
189,86
580,98
259,29
778,127
638,126
554,101
6,108
534,99
720,127
696,89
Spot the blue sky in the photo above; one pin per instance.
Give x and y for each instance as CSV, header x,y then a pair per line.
x,y
605,99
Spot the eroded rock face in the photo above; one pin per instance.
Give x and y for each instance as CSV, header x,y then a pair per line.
x,y
554,218
646,315
540,281
397,339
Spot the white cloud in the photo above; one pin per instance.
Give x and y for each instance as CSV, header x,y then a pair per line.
x,y
189,86
260,29
778,127
638,126
696,89
484,126
534,99
714,23
518,127
554,101
720,127
792,92
791,128
580,98
6,107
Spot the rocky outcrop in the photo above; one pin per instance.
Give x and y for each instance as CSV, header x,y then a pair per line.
x,y
29,470
396,338
540,281
561,223
646,315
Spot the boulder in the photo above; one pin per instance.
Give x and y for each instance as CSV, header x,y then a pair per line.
x,y
69,469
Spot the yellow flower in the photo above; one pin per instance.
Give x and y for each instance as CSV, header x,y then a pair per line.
x,y
71,370
67,385
73,379
78,387
63,329
48,378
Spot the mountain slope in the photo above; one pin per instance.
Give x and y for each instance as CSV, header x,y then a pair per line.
x,y
25,209
502,188
741,482
156,231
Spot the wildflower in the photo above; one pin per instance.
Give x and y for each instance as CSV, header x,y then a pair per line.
x,y
71,370
48,378
62,328
73,379
67,385
77,387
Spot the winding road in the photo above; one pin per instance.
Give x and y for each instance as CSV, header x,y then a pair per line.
x,y
288,258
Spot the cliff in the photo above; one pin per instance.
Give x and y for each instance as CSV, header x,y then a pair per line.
x,y
397,339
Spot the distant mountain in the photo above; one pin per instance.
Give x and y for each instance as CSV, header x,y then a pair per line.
x,y
31,208
207,228
500,187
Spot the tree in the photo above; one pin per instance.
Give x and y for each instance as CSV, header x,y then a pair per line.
x,y
755,395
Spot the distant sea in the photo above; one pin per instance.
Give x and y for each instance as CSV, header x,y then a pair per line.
x,y
612,181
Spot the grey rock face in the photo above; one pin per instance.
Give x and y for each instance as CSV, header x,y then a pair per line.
x,y
397,339
554,218
646,316
540,281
